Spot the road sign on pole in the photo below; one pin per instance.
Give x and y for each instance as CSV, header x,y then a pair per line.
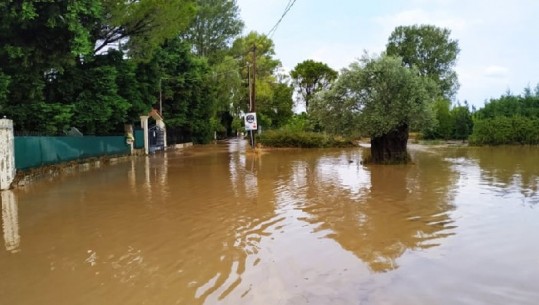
x,y
250,121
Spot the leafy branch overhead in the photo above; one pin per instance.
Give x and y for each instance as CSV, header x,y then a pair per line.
x,y
142,25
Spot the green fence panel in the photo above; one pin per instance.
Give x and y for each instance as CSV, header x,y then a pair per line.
x,y
37,151
27,152
139,138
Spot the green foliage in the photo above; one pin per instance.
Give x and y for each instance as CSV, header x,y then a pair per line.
x,y
505,130
188,99
145,24
310,77
63,76
298,123
526,105
49,118
244,50
280,109
59,30
273,98
226,83
374,97
508,120
443,127
4,85
99,109
214,27
287,138
462,122
451,123
429,49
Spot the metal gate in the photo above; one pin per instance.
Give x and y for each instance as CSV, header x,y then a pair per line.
x,y
156,138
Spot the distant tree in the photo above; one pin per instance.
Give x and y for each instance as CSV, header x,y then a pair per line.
x,y
4,85
380,98
188,98
227,83
246,49
216,24
431,51
444,125
509,119
526,105
280,108
310,77
462,122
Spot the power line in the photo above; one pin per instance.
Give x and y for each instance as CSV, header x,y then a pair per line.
x,y
286,10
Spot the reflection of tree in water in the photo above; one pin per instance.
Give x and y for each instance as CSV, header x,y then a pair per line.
x,y
176,233
508,168
405,208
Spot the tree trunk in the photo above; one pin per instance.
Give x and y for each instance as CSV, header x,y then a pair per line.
x,y
390,148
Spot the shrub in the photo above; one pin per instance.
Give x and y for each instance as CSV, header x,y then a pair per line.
x,y
505,130
301,139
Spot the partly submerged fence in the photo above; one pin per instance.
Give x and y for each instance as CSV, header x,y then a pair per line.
x,y
37,151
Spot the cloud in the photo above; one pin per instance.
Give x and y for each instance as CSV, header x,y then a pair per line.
x,y
495,71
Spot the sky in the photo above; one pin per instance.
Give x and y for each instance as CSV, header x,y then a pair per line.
x,y
499,39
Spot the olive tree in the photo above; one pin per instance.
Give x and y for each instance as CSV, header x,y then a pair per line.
x,y
380,98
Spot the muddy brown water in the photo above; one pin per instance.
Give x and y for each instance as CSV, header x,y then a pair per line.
x,y
216,225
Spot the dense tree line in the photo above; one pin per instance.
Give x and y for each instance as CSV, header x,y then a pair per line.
x,y
510,119
99,64
453,122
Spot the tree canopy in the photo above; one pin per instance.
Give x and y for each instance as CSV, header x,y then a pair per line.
x,y
431,51
141,25
216,24
310,77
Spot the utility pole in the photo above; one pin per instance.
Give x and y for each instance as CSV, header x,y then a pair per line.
x,y
252,94
253,109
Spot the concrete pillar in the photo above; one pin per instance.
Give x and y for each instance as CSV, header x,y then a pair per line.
x,y
10,221
144,124
7,154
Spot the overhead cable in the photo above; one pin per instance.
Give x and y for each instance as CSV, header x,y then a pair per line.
x,y
286,10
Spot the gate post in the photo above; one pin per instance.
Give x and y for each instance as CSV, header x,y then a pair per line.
x,y
144,124
7,154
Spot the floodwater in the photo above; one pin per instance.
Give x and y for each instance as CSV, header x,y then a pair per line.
x,y
216,225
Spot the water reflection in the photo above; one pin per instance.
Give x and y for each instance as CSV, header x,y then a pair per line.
x,y
509,170
401,208
10,221
219,225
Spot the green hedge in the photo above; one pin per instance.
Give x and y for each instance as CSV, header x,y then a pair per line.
x,y
505,130
287,138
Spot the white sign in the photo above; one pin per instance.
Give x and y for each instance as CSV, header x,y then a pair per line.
x,y
250,121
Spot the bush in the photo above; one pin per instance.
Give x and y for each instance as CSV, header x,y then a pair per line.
x,y
301,139
505,130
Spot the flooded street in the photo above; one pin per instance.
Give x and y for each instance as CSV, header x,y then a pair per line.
x,y
215,225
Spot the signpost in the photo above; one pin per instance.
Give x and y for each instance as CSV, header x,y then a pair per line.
x,y
250,125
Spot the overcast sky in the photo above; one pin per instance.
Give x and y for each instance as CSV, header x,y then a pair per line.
x,y
499,39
